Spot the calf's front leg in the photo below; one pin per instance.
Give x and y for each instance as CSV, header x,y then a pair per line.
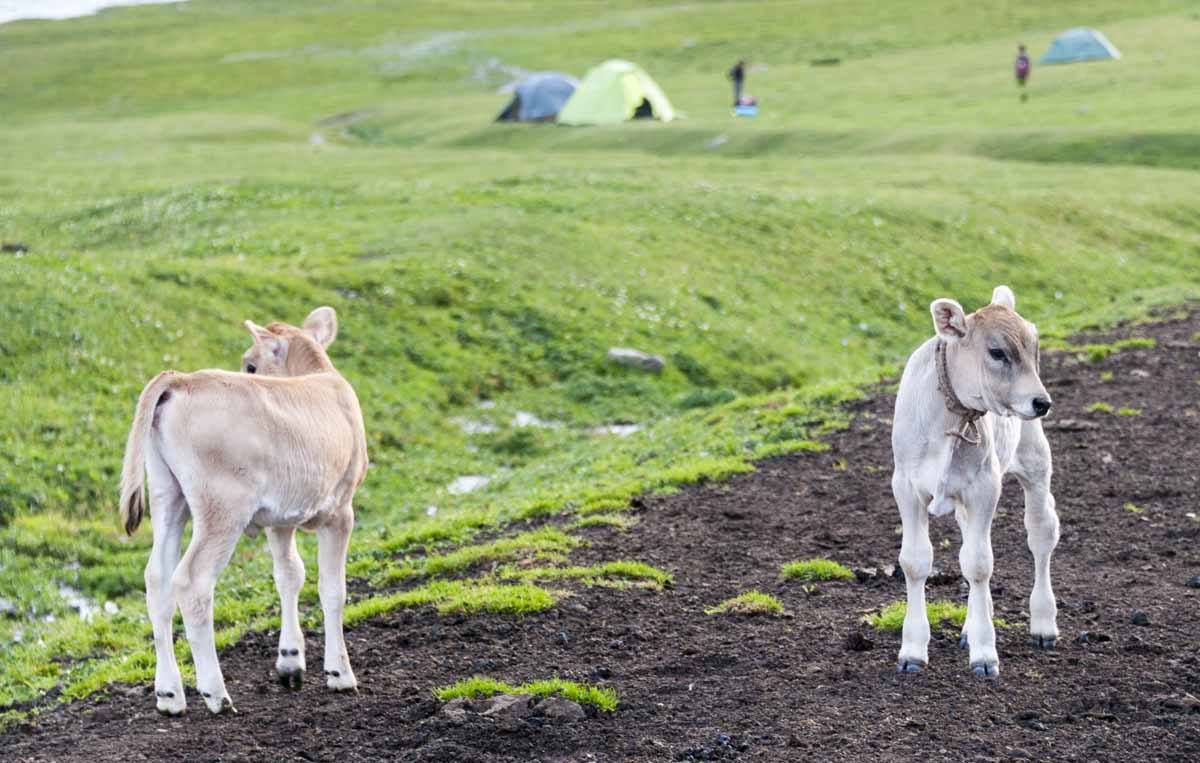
x,y
916,559
976,561
1033,469
332,542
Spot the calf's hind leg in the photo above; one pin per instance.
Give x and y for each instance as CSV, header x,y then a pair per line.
x,y
168,518
332,542
193,584
1032,468
289,579
916,559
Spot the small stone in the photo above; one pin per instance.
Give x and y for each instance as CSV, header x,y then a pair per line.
x,y
1193,583
865,574
602,673
456,710
1139,618
856,642
483,665
562,638
560,709
509,707
624,356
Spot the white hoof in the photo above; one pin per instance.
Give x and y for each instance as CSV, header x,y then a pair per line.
x,y
218,703
341,680
171,701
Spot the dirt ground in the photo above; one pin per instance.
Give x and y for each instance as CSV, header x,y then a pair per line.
x,y
817,685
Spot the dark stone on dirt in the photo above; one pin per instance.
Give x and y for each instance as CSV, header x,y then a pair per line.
x,y
456,709
1139,618
857,642
1194,582
560,709
1089,637
483,665
941,577
865,574
601,673
562,638
509,707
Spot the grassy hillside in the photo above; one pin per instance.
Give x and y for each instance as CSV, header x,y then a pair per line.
x,y
172,172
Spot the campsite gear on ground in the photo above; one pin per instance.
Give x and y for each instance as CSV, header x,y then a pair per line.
x,y
747,106
1079,44
616,91
738,75
539,97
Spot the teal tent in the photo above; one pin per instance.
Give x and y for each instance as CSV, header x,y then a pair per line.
x,y
1079,44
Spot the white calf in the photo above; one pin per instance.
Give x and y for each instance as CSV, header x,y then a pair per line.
x,y
967,413
236,451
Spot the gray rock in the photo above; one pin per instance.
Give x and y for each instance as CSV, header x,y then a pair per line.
x,y
7,608
624,356
1193,583
509,707
560,709
1139,618
456,709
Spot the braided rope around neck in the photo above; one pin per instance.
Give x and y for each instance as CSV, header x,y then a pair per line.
x,y
968,432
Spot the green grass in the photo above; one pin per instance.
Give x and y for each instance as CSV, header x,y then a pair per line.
x,y
543,543
813,570
601,697
619,522
616,573
749,603
456,597
779,264
1129,411
1100,407
940,613
1133,508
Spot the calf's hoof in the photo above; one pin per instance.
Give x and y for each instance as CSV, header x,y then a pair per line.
x,y
218,705
963,642
171,702
1043,642
291,679
985,669
906,665
341,680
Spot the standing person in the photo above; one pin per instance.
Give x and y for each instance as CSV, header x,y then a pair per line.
x,y
738,75
1021,69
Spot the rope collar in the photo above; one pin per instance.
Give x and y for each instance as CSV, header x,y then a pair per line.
x,y
968,431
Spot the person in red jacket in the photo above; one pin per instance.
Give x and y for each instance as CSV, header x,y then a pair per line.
x,y
1021,68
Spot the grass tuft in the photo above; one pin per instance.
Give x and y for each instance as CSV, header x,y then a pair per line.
x,y
812,570
608,573
749,603
1099,407
545,542
602,698
1129,411
621,522
940,614
457,597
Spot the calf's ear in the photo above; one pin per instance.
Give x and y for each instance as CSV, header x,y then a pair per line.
x,y
949,321
321,325
265,339
1004,296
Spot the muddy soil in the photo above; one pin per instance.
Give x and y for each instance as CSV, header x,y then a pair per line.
x,y
816,685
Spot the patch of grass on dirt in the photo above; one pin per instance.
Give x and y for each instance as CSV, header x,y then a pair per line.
x,y
749,603
601,697
543,543
812,570
457,597
1096,353
940,614
607,573
1133,508
620,522
1129,411
1100,407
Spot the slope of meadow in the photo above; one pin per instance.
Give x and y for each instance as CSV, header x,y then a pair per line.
x,y
169,171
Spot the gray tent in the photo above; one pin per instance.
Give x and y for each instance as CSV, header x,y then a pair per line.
x,y
539,97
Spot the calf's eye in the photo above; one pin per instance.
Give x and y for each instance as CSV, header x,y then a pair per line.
x,y
997,354
250,368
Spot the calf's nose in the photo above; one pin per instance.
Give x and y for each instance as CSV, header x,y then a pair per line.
x,y
1041,406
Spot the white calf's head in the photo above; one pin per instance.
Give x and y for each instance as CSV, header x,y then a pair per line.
x,y
281,349
995,361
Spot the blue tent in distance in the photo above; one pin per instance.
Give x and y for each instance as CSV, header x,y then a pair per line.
x,y
539,97
1079,44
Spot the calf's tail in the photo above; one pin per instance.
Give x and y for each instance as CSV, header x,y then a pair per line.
x,y
133,470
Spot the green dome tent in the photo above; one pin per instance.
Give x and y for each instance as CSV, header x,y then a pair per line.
x,y
616,91
1079,44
